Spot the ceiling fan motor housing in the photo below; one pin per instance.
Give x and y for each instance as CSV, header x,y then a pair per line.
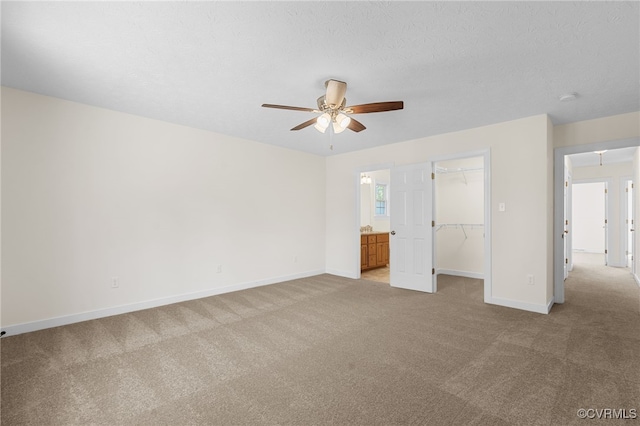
x,y
333,111
335,93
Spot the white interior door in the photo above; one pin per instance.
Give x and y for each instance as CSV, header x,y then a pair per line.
x,y
411,240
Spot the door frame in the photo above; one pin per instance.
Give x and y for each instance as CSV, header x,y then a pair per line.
x,y
568,222
486,155
356,229
627,192
558,202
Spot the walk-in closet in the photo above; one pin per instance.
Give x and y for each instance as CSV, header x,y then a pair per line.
x,y
459,217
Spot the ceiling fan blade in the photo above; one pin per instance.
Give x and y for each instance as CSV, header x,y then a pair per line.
x,y
335,92
293,108
355,125
307,123
374,107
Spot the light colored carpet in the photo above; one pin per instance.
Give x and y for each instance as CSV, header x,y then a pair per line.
x,y
328,350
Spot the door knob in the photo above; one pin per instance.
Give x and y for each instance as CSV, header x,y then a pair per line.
x,y
393,232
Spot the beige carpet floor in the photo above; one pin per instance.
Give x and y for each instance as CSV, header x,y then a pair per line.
x,y
328,350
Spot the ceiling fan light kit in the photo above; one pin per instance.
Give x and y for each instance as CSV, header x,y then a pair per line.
x,y
333,109
322,122
342,122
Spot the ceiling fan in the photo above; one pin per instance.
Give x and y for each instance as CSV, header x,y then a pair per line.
x,y
333,109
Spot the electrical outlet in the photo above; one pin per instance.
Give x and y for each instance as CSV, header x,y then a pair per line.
x,y
219,269
502,207
115,282
530,280
295,259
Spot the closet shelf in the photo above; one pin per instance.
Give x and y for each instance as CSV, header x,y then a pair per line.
x,y
463,170
458,169
463,226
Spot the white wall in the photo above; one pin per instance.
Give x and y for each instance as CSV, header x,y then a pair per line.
x,y
521,160
588,217
367,202
616,174
616,127
459,199
89,194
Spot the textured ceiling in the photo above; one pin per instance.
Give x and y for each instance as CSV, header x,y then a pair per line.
x,y
210,65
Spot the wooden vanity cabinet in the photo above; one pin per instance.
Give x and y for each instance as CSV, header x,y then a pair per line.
x,y
364,254
374,250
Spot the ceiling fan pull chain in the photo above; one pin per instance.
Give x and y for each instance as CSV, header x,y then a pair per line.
x,y
331,139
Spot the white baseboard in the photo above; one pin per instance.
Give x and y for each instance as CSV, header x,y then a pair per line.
x,y
13,330
342,273
531,307
550,305
467,274
635,277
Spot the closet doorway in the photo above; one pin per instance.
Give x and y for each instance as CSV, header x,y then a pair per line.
x,y
459,217
461,211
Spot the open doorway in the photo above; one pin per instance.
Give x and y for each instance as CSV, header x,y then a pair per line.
x,y
459,217
589,206
410,237
374,225
605,162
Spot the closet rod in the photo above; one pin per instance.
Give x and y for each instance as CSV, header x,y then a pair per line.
x,y
458,169
461,225
444,170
